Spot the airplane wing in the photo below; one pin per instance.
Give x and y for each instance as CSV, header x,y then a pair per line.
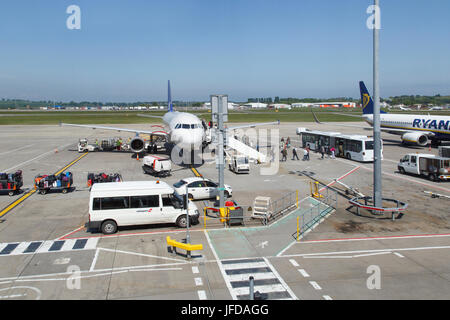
x,y
254,125
149,116
159,132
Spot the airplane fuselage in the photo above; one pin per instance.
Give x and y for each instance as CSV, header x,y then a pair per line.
x,y
185,129
438,125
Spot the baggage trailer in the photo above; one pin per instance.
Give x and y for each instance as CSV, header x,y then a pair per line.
x,y
427,165
93,178
157,166
11,182
62,182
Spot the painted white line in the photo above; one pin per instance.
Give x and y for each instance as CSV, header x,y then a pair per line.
x,y
303,273
94,261
376,238
68,245
13,296
245,265
142,255
201,294
324,254
256,276
327,297
371,254
294,297
198,282
20,248
263,289
195,270
18,149
293,262
45,246
315,285
34,159
399,255
91,244
219,264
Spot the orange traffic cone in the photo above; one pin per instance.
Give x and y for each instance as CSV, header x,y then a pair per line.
x,y
137,156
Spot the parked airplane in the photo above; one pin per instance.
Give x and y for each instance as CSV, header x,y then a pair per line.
x,y
185,130
414,129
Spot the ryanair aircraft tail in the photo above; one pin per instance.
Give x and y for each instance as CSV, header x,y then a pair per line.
x,y
366,99
169,98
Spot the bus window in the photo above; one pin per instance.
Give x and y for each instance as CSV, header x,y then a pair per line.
x,y
369,145
145,201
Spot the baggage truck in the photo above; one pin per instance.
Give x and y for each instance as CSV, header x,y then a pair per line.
x,y
84,146
430,166
102,178
157,166
62,182
11,182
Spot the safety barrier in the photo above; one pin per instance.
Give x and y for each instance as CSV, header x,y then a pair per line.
x,y
368,205
321,207
185,246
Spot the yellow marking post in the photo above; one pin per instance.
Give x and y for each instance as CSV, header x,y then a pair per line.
x,y
184,246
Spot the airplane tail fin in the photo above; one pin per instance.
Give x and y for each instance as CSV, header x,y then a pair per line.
x,y
366,99
169,98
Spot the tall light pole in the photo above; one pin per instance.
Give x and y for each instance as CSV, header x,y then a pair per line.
x,y
377,189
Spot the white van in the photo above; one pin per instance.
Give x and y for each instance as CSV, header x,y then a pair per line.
x,y
116,204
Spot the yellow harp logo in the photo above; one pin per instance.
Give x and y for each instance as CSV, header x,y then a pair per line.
x,y
366,100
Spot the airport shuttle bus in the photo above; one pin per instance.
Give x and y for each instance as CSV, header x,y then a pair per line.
x,y
353,147
116,204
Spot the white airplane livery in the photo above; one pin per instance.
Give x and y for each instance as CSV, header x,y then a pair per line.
x,y
185,130
414,129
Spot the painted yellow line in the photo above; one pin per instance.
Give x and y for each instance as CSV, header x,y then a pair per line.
x,y
29,193
197,174
15,203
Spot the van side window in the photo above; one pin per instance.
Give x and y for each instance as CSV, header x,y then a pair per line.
x,y
413,159
145,201
113,203
167,200
96,204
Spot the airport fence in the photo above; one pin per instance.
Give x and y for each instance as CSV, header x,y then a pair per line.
x,y
322,205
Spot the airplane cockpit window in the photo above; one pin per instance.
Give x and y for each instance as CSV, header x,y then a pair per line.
x,y
178,126
186,126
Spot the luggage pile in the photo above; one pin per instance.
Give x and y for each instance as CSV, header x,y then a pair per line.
x,y
11,182
61,182
102,178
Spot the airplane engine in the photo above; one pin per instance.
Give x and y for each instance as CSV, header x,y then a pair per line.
x,y
137,145
415,138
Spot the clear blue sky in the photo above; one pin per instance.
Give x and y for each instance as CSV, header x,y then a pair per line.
x,y
127,50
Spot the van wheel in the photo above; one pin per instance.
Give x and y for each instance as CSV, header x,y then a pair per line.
x,y
401,170
432,177
190,197
109,227
182,221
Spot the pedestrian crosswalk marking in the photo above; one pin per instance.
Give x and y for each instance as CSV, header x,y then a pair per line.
x,y
30,247
266,280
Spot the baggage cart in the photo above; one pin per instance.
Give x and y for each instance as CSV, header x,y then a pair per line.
x,y
62,182
11,182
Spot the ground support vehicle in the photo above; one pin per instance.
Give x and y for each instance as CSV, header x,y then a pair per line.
x,y
430,166
11,182
62,182
157,166
102,178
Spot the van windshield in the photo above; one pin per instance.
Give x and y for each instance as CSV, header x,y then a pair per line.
x,y
179,183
